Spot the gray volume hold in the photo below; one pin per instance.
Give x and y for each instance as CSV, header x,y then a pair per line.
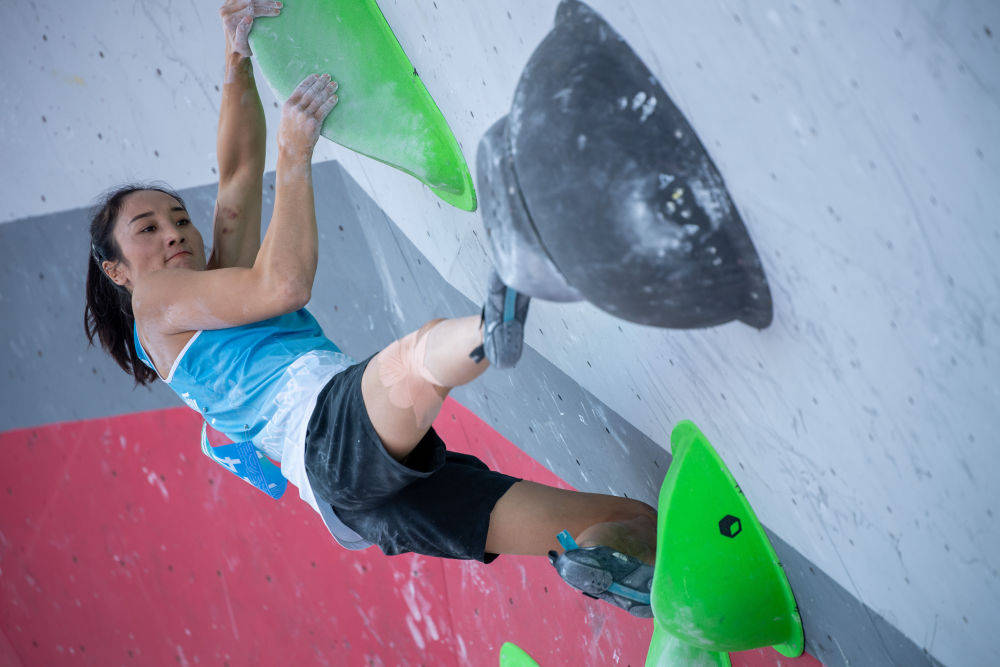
x,y
601,176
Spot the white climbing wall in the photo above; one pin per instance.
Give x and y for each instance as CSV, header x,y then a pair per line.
x,y
861,143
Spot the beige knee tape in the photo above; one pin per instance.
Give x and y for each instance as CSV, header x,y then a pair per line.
x,y
401,370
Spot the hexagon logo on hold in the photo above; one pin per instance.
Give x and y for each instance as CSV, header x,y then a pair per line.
x,y
729,526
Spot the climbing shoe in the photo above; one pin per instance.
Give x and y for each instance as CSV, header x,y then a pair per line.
x,y
605,574
503,322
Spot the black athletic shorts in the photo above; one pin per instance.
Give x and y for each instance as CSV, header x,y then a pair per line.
x,y
435,502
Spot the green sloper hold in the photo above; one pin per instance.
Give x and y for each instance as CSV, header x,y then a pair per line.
x,y
718,585
512,655
385,112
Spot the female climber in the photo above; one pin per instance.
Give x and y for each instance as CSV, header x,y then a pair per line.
x,y
230,334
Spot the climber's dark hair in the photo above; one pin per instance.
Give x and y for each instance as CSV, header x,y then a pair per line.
x,y
108,311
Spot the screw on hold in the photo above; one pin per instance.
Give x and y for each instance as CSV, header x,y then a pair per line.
x,y
730,526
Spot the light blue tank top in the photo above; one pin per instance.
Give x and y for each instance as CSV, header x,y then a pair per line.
x,y
231,375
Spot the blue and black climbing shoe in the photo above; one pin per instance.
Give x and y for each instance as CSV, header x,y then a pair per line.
x,y
503,323
605,574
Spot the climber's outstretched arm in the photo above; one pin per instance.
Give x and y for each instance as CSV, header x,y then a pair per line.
x,y
240,144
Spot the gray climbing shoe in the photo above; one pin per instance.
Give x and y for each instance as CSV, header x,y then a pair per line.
x,y
605,574
503,322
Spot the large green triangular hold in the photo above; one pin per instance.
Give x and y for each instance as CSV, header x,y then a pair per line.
x,y
385,112
718,585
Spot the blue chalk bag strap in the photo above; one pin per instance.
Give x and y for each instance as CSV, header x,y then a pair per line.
x,y
246,462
